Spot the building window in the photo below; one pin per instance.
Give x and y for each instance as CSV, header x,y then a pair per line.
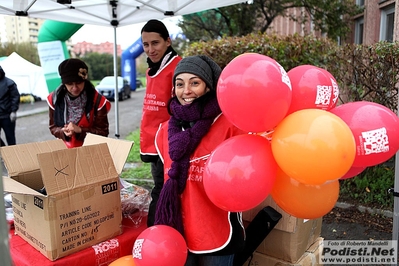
x,y
360,2
359,25
387,23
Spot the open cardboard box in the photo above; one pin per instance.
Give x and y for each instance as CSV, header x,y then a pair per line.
x,y
82,206
291,236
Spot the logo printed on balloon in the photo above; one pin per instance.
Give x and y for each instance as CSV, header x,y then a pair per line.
x,y
375,141
284,76
138,245
335,93
323,96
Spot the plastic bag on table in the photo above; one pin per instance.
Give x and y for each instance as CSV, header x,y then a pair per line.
x,y
135,201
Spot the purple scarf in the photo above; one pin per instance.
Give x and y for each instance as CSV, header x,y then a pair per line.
x,y
182,144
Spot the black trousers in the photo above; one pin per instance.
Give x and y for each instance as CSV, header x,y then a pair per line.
x,y
158,177
9,130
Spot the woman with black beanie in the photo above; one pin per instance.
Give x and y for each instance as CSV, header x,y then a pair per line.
x,y
185,142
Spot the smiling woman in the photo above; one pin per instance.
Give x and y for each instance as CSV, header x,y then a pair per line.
x,y
189,87
196,127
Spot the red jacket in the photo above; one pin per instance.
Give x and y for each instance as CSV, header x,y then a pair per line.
x,y
158,92
207,228
98,123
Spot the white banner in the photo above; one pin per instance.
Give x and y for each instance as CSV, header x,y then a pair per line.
x,y
51,54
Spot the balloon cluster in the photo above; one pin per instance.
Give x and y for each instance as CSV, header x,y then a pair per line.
x,y
299,143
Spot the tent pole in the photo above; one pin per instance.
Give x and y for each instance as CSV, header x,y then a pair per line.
x,y
4,231
395,230
116,94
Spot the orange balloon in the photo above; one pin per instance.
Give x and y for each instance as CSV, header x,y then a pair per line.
x,y
124,261
313,146
304,201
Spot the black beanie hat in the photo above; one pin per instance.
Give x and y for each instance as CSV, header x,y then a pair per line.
x,y
157,26
202,66
73,70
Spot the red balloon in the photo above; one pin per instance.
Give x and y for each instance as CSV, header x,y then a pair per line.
x,y
375,128
240,173
304,201
160,245
254,92
354,171
123,261
312,87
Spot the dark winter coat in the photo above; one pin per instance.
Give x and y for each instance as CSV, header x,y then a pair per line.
x,y
9,95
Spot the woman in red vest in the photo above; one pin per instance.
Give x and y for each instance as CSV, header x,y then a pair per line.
x,y
196,127
162,60
76,108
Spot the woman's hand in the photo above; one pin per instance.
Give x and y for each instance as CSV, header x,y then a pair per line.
x,y
71,129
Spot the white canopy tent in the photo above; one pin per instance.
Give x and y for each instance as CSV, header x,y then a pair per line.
x,y
28,76
112,13
108,12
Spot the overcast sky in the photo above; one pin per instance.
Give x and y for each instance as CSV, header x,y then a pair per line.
x,y
125,36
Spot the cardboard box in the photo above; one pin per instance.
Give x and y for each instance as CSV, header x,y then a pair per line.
x,y
311,257
290,237
82,206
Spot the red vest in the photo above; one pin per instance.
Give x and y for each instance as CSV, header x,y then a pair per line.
x,y
83,122
158,92
206,227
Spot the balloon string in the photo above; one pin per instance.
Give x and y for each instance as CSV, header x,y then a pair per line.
x,y
267,134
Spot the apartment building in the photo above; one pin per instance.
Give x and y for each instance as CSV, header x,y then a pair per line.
x,y
82,48
19,29
378,22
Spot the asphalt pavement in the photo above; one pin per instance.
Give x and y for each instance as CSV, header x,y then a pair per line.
x,y
28,109
32,119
